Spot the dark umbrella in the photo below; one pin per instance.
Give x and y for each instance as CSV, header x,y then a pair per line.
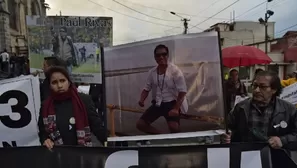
x,y
244,56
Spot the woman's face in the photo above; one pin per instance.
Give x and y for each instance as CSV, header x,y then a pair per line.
x,y
59,83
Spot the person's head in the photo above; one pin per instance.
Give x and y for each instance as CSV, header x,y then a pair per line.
x,y
233,75
294,74
59,79
5,50
63,32
266,86
161,54
258,70
52,61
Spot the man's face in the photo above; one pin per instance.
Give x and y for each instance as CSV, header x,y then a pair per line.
x,y
234,75
45,66
63,33
262,91
161,56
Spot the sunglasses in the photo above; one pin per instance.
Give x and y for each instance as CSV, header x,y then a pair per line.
x,y
161,54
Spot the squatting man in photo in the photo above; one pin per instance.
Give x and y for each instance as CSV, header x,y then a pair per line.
x,y
169,89
264,117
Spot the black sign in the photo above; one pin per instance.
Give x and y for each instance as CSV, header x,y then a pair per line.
x,y
147,157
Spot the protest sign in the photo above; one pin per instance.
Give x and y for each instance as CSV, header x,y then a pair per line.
x,y
208,156
19,104
290,94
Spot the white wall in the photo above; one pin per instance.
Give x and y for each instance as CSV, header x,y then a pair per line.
x,y
233,38
257,28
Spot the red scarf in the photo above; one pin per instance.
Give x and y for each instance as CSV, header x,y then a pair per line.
x,y
79,112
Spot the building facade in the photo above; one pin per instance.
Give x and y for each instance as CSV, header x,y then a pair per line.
x,y
13,30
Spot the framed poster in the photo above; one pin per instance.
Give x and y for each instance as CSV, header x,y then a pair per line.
x,y
143,100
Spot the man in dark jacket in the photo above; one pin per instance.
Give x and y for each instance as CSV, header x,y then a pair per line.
x,y
264,117
44,85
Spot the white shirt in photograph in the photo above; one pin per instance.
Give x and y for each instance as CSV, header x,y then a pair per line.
x,y
174,83
5,57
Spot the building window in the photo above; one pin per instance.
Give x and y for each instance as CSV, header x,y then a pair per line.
x,y
222,41
244,73
33,8
12,6
26,11
273,68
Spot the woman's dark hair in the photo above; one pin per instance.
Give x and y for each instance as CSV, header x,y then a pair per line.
x,y
258,70
161,46
275,82
60,69
55,61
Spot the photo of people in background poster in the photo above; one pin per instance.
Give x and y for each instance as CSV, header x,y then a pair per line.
x,y
165,85
75,40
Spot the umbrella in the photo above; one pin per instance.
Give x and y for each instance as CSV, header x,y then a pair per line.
x,y
243,56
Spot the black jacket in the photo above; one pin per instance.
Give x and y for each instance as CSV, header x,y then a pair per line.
x,y
64,113
232,92
284,111
44,89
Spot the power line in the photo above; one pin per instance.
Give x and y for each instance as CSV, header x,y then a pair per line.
x,y
168,11
159,9
208,7
277,3
141,12
216,13
286,29
132,16
279,32
260,4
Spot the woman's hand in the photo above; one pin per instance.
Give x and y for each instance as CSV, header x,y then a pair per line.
x,y
49,144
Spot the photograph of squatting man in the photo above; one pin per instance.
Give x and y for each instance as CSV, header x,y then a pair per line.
x,y
168,86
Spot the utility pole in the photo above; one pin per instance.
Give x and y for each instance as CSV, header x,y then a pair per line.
x,y
185,25
264,22
185,22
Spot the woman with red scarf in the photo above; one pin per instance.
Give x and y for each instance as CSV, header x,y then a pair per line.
x,y
67,117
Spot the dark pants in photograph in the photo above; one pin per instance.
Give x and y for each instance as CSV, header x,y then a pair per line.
x,y
154,112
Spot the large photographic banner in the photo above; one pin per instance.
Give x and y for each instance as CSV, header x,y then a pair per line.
x,y
197,56
19,111
214,156
74,39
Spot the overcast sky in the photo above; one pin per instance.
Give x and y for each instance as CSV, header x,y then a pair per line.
x,y
158,21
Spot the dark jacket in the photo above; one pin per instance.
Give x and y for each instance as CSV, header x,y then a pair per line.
x,y
44,89
284,111
64,113
231,92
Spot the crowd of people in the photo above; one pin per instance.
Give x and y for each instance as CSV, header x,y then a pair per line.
x,y
68,117
12,65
